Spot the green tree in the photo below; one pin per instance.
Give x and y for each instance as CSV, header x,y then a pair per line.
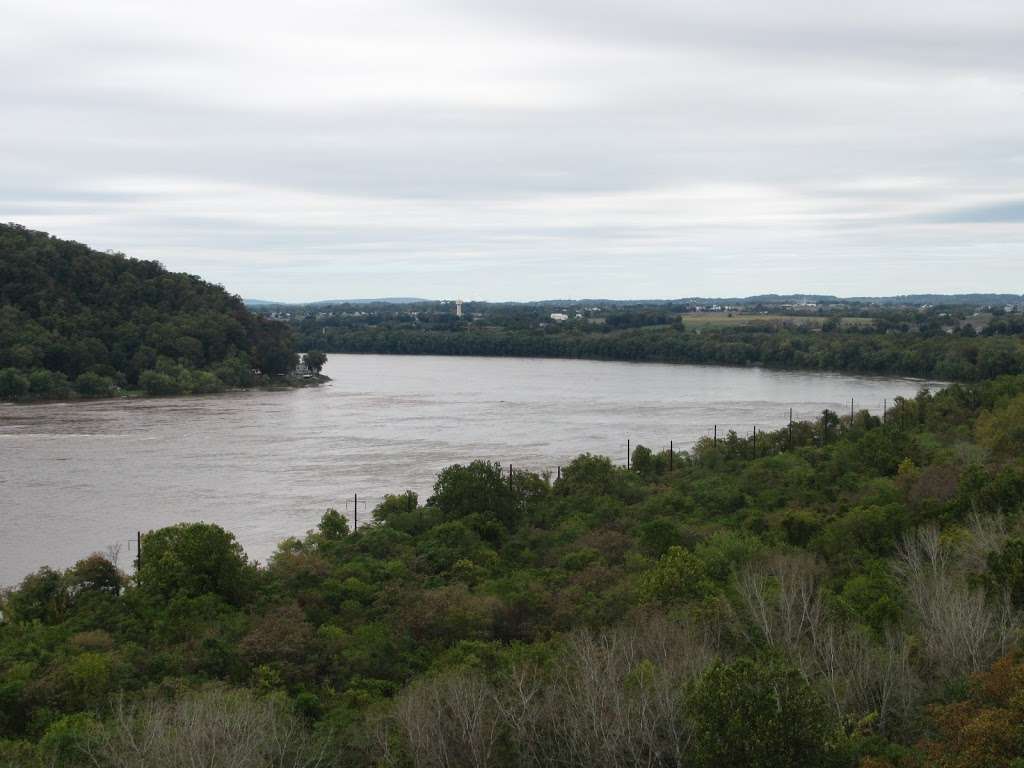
x,y
155,383
95,574
678,577
333,526
194,559
480,489
315,360
758,714
41,596
1002,430
1006,572
91,384
13,384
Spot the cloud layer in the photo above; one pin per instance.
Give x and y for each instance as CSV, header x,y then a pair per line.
x,y
620,148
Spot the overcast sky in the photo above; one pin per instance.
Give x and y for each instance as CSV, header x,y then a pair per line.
x,y
522,149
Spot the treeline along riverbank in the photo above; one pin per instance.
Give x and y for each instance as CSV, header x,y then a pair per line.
x,y
948,357
848,592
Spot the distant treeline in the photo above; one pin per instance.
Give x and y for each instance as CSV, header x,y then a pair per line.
x,y
76,322
952,357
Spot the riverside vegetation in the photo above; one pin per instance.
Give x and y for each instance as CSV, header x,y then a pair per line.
x,y
78,323
938,343
847,592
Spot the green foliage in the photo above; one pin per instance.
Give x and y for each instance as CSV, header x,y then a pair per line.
x,y
41,596
66,741
1005,573
18,754
783,610
759,714
95,574
446,544
657,535
90,384
315,360
155,383
589,475
874,348
13,384
678,577
333,526
1002,430
194,559
104,321
478,489
872,597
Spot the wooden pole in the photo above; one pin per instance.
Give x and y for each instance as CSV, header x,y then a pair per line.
x,y
671,454
627,453
355,513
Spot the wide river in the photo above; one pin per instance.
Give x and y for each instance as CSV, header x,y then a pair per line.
x,y
82,477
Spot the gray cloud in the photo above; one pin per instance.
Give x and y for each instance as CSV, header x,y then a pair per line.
x,y
519,150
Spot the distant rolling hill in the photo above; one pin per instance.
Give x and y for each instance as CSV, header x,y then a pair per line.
x,y
327,302
969,299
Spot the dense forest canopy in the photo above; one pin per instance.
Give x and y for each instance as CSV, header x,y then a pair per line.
x,y
74,320
844,592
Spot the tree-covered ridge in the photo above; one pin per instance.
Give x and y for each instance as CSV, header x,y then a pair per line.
x,y
847,592
74,320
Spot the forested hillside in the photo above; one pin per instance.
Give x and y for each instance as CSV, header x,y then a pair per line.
x,y
846,593
74,321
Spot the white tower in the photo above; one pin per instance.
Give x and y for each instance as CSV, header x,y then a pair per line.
x,y
458,307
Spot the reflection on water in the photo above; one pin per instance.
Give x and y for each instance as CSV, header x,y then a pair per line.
x,y
76,478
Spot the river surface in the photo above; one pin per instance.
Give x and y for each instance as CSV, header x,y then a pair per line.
x,y
82,477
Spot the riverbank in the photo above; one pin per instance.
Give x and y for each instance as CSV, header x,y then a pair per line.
x,y
943,357
273,384
815,570
265,463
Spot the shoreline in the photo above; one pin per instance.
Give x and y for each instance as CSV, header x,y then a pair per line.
x,y
745,366
138,394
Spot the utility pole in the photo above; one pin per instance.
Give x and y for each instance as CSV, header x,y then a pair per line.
x,y
851,411
755,441
716,435
138,552
671,454
355,512
885,411
627,453
790,429
510,477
